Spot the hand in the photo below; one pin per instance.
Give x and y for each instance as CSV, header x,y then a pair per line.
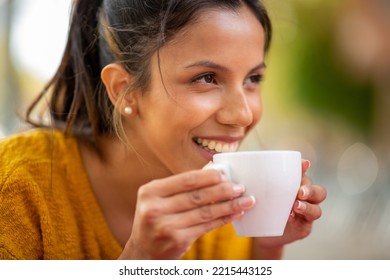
x,y
173,212
305,211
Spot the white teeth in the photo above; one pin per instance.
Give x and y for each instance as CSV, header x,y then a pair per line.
x,y
225,148
218,147
212,145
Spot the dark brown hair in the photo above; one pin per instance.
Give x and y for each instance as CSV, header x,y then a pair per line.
x,y
128,32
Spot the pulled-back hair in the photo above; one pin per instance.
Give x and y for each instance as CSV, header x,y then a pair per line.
x,y
127,32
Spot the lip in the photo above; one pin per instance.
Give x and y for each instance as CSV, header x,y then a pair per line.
x,y
209,155
206,154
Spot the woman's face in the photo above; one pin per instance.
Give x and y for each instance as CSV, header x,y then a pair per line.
x,y
204,94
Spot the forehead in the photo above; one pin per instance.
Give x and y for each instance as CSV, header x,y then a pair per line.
x,y
240,19
219,33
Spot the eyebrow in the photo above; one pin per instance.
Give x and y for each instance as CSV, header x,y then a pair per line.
x,y
210,64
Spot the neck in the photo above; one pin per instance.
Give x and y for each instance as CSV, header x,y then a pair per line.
x,y
118,165
116,172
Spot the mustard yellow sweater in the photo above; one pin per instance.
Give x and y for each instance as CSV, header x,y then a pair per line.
x,y
48,209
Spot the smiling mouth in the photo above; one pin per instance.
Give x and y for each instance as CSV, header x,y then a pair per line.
x,y
213,146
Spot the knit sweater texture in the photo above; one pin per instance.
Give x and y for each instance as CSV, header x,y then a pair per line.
x,y
49,211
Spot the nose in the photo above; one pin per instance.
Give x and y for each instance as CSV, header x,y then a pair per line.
x,y
235,109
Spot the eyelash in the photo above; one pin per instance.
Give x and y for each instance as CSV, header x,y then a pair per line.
x,y
203,76
255,78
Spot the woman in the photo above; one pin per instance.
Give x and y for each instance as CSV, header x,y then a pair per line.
x,y
146,93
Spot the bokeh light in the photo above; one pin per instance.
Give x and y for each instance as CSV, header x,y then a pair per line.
x,y
357,169
38,35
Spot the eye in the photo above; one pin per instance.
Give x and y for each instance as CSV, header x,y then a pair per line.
x,y
205,79
254,79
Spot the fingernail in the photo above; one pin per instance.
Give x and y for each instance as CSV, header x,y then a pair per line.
x,y
304,191
301,206
247,202
238,188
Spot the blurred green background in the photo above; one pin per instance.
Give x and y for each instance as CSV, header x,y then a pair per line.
x,y
326,93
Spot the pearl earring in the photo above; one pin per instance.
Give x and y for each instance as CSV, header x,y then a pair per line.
x,y
128,110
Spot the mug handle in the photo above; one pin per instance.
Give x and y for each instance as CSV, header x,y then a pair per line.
x,y
223,168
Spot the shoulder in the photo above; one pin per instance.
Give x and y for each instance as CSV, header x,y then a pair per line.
x,y
32,143
43,186
26,155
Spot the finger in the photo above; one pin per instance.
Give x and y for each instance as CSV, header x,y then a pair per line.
x,y
211,212
200,197
305,165
312,193
188,235
199,230
306,181
183,182
310,211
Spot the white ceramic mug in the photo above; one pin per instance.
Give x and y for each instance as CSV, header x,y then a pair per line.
x,y
273,178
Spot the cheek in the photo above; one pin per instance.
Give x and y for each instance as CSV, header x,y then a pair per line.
x,y
196,107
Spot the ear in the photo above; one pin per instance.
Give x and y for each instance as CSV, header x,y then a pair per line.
x,y
117,81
